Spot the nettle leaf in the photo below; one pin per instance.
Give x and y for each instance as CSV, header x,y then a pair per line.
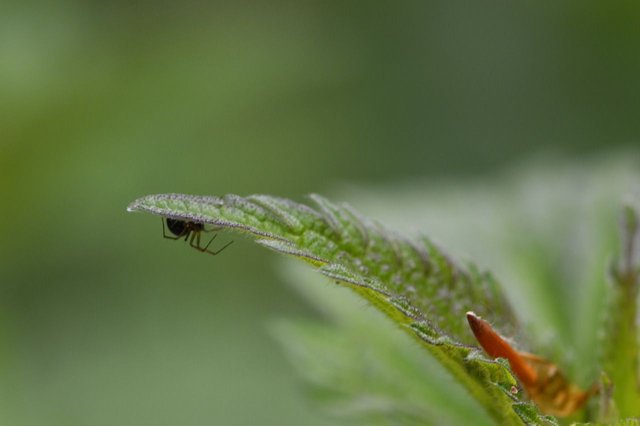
x,y
411,280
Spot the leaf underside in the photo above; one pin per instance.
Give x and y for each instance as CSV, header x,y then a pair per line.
x,y
411,280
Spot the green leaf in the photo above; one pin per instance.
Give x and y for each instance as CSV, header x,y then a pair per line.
x,y
411,280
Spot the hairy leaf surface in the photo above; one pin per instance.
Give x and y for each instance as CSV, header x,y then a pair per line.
x,y
411,280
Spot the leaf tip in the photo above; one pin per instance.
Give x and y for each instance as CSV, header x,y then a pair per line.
x,y
139,203
134,206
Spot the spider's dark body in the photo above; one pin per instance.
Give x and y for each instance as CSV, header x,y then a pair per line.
x,y
182,228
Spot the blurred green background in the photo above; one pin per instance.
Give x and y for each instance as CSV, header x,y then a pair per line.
x,y
102,321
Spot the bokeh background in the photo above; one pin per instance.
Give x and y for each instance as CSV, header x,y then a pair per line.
x,y
103,322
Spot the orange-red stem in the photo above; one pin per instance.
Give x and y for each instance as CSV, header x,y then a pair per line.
x,y
496,347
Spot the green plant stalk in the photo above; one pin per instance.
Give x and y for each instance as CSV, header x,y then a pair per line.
x,y
624,350
623,346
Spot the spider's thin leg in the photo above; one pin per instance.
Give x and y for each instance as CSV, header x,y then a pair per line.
x,y
164,232
218,251
210,241
194,241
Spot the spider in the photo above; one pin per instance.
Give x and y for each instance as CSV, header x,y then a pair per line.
x,y
190,231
